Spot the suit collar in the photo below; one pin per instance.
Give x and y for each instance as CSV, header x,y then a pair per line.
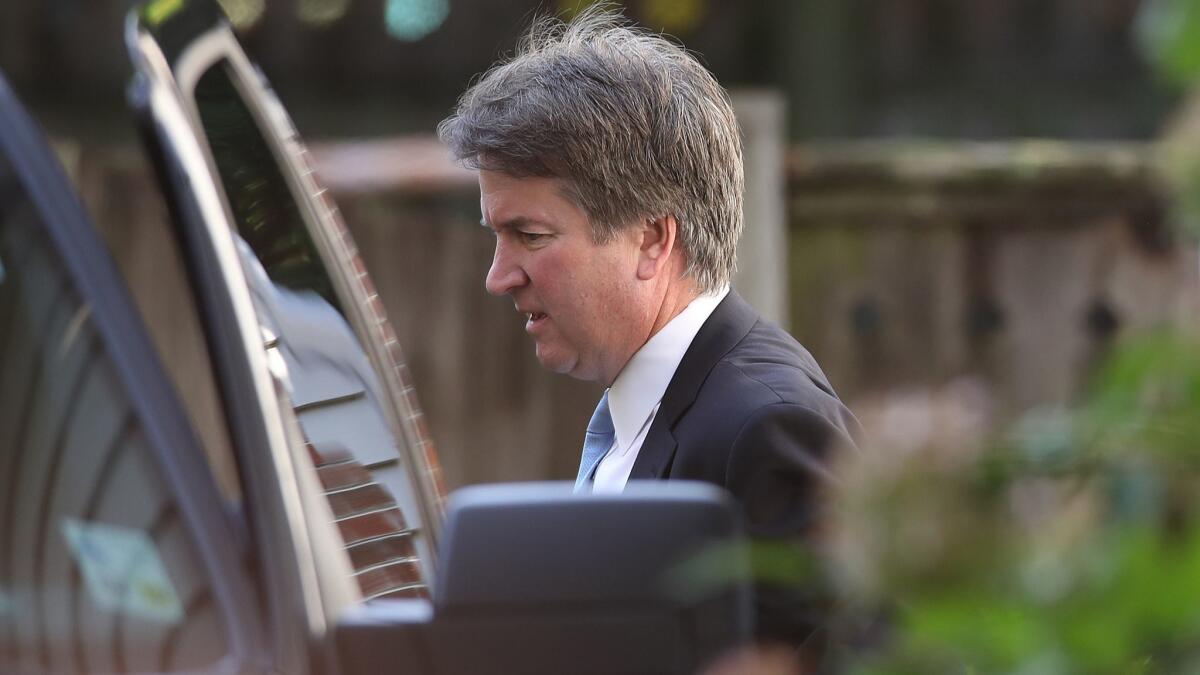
x,y
643,382
726,326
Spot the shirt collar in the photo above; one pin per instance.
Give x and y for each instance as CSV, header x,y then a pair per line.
x,y
641,384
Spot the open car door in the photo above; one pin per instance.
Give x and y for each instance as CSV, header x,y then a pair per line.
x,y
115,546
310,371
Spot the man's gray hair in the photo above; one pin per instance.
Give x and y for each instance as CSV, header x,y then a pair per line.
x,y
632,123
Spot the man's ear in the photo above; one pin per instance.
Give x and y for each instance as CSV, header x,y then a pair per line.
x,y
657,242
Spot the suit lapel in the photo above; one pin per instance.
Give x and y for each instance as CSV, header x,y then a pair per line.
x,y
725,327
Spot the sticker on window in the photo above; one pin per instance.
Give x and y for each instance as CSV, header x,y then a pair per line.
x,y
122,570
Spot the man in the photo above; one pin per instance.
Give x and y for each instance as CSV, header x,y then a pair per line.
x,y
610,173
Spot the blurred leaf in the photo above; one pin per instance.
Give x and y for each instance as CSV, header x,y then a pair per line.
x,y
672,16
985,631
158,11
1146,398
1046,438
1169,32
717,567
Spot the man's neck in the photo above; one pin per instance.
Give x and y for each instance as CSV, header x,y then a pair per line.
x,y
674,301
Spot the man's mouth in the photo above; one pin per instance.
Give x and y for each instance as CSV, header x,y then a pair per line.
x,y
532,319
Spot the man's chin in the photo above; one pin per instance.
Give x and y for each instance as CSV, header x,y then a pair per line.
x,y
556,361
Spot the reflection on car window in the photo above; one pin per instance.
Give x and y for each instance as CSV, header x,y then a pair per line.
x,y
334,389
98,570
267,217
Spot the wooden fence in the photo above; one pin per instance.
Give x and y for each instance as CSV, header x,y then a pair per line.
x,y
1016,263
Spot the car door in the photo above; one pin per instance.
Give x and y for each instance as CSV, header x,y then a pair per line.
x,y
324,419
115,546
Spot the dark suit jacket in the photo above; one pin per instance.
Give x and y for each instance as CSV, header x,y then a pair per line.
x,y
749,410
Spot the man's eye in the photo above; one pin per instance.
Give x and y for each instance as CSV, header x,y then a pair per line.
x,y
532,237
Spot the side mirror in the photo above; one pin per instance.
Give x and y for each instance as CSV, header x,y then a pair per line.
x,y
534,579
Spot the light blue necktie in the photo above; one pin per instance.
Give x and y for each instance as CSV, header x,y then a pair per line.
x,y
596,442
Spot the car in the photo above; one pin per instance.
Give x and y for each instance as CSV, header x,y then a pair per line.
x,y
335,550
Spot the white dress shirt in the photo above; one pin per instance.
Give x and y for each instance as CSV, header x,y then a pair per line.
x,y
634,397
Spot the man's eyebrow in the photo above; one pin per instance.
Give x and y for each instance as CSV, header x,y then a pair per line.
x,y
515,222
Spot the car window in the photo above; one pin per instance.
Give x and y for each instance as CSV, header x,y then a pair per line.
x,y
335,391
98,569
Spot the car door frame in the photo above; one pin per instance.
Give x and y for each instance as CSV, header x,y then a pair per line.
x,y
174,444
276,495
292,525
363,309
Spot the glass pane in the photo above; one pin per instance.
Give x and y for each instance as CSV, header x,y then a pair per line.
x,y
335,391
97,569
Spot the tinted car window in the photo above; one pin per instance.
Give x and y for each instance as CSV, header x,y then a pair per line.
x,y
98,570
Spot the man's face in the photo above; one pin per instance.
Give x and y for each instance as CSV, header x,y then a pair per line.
x,y
581,300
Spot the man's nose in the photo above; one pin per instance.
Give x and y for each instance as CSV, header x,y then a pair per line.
x,y
505,274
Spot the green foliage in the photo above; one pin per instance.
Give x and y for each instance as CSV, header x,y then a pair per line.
x,y
713,568
1170,38
1069,545
1169,31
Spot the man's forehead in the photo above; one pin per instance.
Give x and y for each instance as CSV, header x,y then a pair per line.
x,y
506,200
490,181
514,222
